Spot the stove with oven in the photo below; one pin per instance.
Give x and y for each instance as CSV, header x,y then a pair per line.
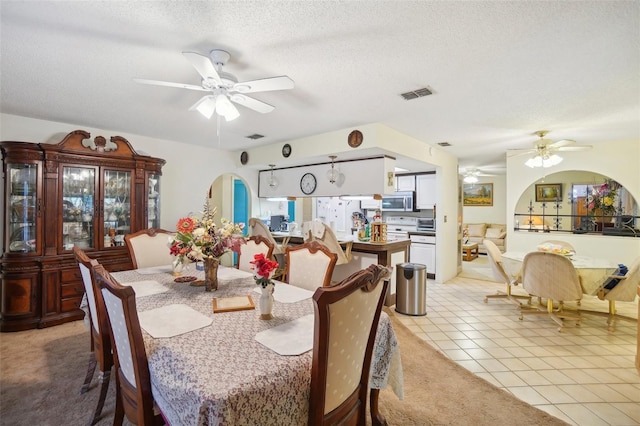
x,y
398,227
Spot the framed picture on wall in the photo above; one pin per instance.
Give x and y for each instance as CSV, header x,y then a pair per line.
x,y
477,194
548,192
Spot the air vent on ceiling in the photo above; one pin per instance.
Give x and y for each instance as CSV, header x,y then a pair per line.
x,y
255,136
444,144
416,94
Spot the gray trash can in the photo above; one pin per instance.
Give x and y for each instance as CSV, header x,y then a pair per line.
x,y
411,288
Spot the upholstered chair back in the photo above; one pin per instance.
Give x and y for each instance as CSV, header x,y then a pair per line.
x,y
552,276
495,260
329,239
87,281
258,228
626,289
310,265
341,353
254,245
136,401
149,247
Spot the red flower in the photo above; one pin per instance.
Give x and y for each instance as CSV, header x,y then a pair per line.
x,y
185,224
263,266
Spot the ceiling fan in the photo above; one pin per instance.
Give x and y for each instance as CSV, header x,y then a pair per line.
x,y
470,174
544,150
223,87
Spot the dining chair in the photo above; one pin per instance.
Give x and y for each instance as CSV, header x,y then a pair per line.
x,y
500,275
329,239
257,227
551,276
621,288
100,354
133,382
342,355
310,265
149,247
254,245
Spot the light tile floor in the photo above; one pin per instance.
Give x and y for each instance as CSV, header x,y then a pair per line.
x,y
583,375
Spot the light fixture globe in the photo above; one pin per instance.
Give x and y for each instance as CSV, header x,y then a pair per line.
x,y
273,182
333,174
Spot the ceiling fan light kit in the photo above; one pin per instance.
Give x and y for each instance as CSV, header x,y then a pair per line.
x,y
224,87
544,151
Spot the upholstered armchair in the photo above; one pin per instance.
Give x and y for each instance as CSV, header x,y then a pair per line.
x,y
310,265
254,245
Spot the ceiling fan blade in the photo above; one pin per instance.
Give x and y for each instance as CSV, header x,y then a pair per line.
x,y
518,152
252,103
264,85
203,65
169,84
205,106
562,142
574,148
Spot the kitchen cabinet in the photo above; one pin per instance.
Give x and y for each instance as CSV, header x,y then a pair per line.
x,y
425,191
371,204
406,183
77,192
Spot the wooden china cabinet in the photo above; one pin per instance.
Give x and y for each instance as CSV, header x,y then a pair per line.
x,y
81,192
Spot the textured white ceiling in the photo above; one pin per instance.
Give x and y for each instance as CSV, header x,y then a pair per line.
x,y
499,70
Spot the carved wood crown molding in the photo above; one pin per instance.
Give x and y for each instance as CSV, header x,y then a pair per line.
x,y
100,144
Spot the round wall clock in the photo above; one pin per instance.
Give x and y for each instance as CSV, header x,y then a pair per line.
x,y
244,157
308,183
286,150
355,139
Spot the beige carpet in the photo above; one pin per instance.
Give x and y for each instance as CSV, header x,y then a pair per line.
x,y
42,371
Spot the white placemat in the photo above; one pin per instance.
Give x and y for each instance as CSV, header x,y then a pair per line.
x,y
232,274
146,288
292,338
172,320
155,270
286,293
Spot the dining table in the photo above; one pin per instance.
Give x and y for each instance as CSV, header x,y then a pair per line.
x,y
593,271
231,367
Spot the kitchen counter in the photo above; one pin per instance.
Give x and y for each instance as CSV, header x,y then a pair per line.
x,y
364,254
428,233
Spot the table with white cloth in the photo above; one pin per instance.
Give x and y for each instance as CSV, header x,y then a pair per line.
x,y
219,373
593,272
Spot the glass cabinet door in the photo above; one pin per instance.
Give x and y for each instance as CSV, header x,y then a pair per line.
x,y
116,206
153,201
24,207
78,207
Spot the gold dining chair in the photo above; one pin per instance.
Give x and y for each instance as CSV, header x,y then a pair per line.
x,y
500,275
257,227
149,247
625,290
342,355
310,265
133,381
254,245
100,355
551,276
329,239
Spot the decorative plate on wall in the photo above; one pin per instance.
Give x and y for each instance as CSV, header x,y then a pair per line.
x,y
355,139
244,157
286,150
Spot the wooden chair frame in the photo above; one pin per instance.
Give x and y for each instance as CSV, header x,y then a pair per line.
x,y
101,354
151,232
314,247
258,239
133,400
352,410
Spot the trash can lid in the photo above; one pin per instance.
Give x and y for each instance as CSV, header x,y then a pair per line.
x,y
411,266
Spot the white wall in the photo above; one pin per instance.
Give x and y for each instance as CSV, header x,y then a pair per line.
x,y
186,177
489,214
618,160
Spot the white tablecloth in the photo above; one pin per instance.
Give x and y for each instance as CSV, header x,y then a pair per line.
x,y
220,374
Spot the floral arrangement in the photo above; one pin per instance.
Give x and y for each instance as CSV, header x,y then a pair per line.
x,y
264,269
199,238
603,197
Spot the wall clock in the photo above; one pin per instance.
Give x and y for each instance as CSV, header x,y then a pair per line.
x,y
286,150
308,183
355,138
244,157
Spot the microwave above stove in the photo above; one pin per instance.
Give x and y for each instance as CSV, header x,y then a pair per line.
x,y
399,202
426,224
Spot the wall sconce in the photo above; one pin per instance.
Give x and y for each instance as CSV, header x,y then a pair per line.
x,y
333,174
273,182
